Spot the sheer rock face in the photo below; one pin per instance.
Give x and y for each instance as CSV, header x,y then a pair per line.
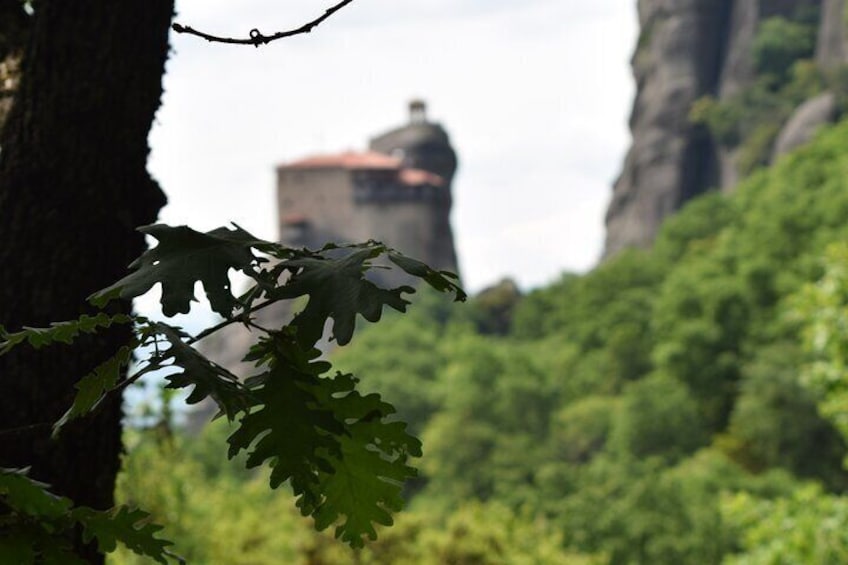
x,y
688,49
676,61
832,44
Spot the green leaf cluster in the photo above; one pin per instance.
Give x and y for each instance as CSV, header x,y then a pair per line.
x,y
344,459
38,526
806,527
59,332
780,42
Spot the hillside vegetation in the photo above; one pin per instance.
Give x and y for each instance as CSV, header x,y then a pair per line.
x,y
683,405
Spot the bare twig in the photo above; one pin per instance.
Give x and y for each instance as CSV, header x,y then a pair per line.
x,y
257,38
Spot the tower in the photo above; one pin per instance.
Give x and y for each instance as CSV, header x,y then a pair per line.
x,y
397,192
419,144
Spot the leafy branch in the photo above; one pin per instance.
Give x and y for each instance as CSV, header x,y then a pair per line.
x,y
257,38
38,525
345,461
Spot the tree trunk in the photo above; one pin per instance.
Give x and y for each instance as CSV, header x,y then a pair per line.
x,y
73,186
14,29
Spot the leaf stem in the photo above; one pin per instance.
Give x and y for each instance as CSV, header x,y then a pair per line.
x,y
209,331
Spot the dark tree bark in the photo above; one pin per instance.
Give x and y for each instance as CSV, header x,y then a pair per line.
x,y
14,29
73,186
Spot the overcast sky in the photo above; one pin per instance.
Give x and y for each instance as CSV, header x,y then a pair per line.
x,y
535,95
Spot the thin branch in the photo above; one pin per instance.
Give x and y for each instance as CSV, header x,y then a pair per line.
x,y
257,326
257,38
209,331
129,381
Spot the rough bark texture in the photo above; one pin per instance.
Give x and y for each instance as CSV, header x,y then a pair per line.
x,y
14,30
9,77
73,185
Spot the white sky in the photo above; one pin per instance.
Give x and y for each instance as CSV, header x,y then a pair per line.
x,y
535,95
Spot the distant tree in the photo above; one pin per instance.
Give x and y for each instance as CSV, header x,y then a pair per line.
x,y
658,418
779,43
776,423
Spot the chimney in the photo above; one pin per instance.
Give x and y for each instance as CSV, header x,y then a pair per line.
x,y
417,112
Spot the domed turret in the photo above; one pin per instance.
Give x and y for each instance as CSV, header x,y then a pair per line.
x,y
421,144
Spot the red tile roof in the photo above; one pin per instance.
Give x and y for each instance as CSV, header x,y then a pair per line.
x,y
368,160
347,160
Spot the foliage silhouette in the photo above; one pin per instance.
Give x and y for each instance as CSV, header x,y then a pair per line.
x,y
346,462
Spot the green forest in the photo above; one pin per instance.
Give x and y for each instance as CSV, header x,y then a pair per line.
x,y
683,404
680,405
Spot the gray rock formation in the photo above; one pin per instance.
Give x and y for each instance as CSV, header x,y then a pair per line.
x,y
688,49
737,68
677,60
805,121
832,44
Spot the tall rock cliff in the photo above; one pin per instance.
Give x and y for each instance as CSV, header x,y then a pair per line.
x,y
717,59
